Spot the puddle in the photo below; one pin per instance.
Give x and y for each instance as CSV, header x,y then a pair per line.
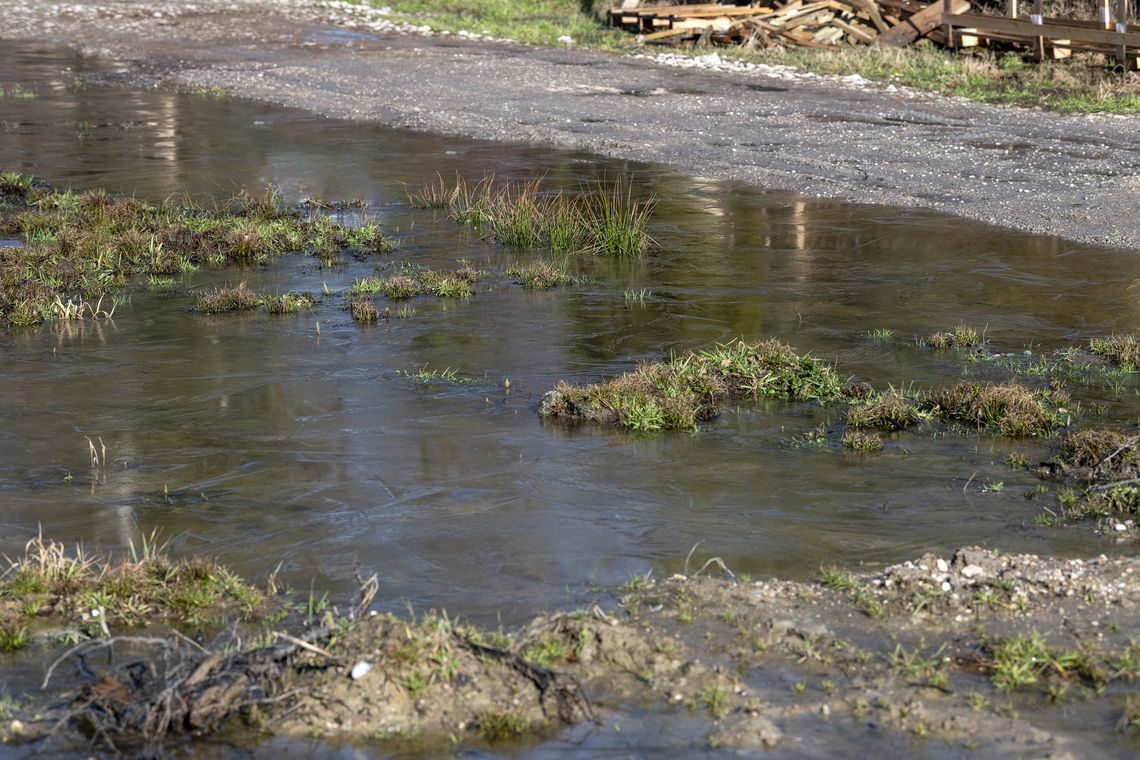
x,y
259,441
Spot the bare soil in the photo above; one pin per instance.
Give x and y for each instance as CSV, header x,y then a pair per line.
x,y
905,659
1072,176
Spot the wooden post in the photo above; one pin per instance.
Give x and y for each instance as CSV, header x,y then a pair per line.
x,y
1011,8
1122,26
1037,17
948,11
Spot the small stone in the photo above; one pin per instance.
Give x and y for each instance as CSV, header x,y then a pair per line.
x,y
1120,527
972,571
943,565
360,669
946,585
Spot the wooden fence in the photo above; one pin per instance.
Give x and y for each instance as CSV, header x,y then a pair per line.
x,y
1049,37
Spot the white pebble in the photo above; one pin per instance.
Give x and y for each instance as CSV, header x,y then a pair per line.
x,y
360,669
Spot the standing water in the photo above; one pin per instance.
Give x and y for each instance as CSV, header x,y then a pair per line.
x,y
268,441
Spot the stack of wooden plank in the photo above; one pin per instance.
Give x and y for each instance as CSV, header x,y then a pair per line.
x,y
767,23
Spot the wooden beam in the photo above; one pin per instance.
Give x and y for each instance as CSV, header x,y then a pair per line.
x,y
1051,29
920,24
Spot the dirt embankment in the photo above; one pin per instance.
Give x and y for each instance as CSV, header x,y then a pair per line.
x,y
1012,655
1073,176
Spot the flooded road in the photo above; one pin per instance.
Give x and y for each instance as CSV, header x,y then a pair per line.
x,y
265,441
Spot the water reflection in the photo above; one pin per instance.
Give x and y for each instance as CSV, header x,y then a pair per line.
x,y
259,440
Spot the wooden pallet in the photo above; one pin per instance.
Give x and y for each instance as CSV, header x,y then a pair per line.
x,y
811,23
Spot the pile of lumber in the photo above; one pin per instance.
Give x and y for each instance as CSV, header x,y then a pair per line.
x,y
768,23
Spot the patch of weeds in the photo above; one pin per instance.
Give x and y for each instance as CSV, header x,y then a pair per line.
x,y
221,300
880,333
13,637
541,275
678,394
1015,460
1005,409
547,652
612,223
415,684
1122,350
404,311
445,376
833,577
86,245
501,725
1021,661
51,579
962,336
715,700
289,303
636,297
917,663
857,440
363,309
887,412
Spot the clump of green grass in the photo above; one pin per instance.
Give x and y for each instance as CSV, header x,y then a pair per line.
x,y
519,214
501,725
1022,661
86,245
289,303
447,376
856,440
687,389
221,300
887,412
1005,409
363,309
541,275
962,336
49,578
1123,350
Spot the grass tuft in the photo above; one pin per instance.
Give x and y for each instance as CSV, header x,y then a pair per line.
x,y
687,389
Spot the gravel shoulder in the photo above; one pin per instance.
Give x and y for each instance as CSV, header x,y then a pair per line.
x,y
1077,177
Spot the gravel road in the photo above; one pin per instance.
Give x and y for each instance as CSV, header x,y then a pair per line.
x,y
1077,177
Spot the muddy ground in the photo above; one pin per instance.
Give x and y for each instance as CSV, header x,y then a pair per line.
x,y
1073,176
974,654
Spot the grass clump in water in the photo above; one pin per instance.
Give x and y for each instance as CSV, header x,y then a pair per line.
x,y
887,412
50,579
1022,661
1005,409
962,336
501,725
221,300
687,389
541,275
857,440
86,245
1123,350
519,214
363,309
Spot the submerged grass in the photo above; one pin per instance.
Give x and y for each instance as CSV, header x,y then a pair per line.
x,y
86,245
520,214
52,579
687,389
